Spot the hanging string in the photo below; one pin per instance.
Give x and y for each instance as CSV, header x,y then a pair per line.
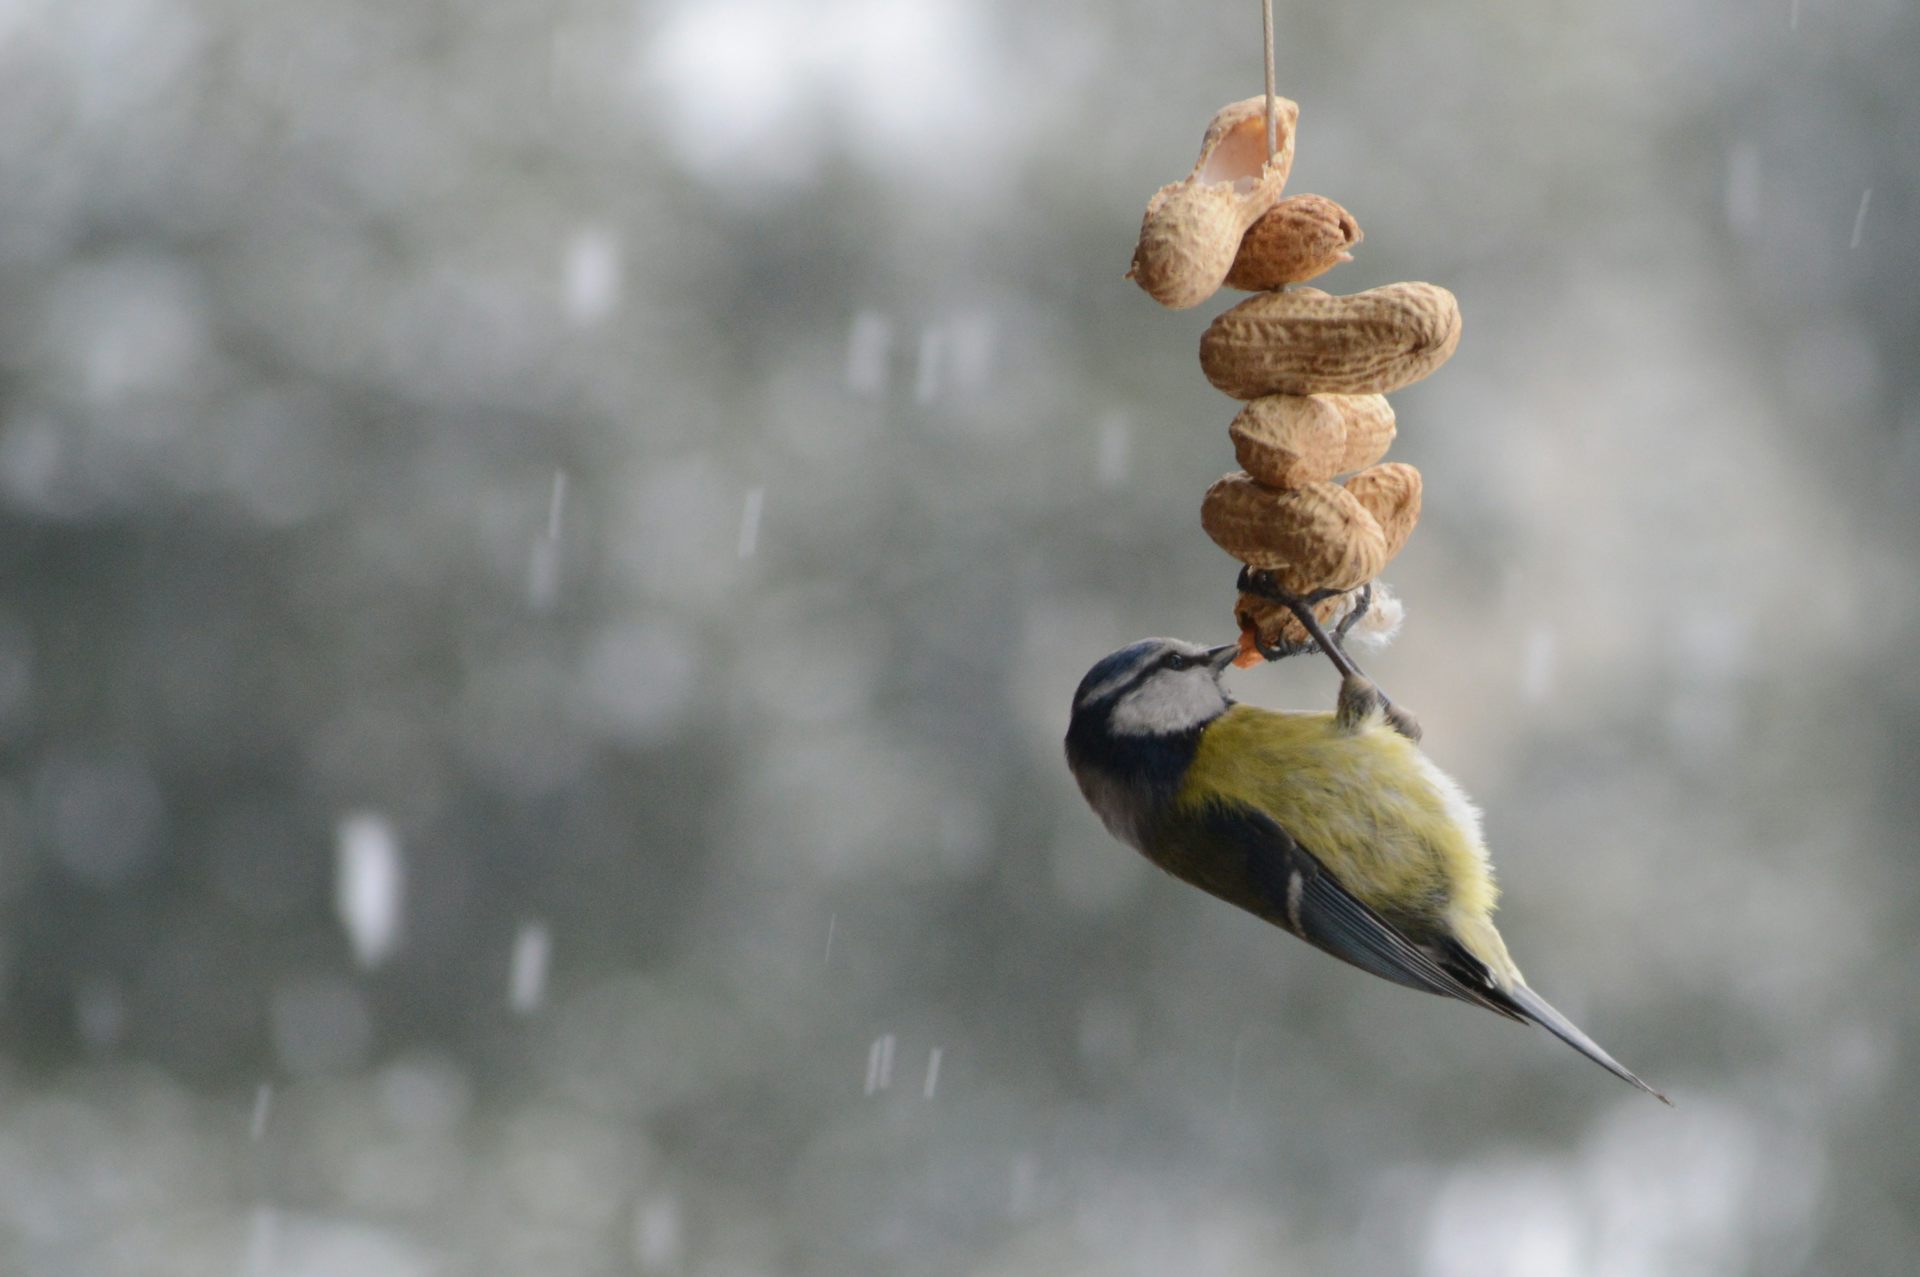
x,y
1266,31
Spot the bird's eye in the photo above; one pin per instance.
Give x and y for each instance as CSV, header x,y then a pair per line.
x,y
1179,661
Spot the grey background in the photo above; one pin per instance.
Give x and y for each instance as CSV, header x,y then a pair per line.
x,y
545,546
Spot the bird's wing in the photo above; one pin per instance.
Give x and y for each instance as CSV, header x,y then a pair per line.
x,y
1301,894
1537,1010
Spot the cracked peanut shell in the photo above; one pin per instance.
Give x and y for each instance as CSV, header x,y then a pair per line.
x,y
1274,626
1193,227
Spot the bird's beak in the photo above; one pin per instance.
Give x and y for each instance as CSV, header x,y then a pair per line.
x,y
1221,657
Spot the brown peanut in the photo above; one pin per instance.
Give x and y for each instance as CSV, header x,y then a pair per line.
x,y
1193,228
1290,441
1304,342
1316,537
1391,494
1300,237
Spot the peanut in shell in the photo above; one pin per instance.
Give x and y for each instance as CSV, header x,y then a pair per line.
x,y
1391,494
1290,441
1370,429
1297,239
1314,537
1303,341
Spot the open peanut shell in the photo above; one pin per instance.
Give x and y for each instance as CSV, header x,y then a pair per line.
x,y
1193,227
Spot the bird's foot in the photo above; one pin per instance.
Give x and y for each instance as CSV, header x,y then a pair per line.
x,y
1363,600
1260,583
1360,700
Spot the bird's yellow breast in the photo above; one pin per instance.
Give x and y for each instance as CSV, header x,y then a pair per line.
x,y
1392,827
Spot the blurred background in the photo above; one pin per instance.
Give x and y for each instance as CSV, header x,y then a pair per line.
x,y
545,547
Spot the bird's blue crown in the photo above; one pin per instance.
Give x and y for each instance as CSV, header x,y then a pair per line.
x,y
1109,670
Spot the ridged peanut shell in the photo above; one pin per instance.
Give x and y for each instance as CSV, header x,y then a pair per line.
x,y
1311,538
1290,441
1370,429
1193,227
1304,342
1300,237
1391,494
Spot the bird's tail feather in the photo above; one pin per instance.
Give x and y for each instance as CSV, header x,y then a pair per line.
x,y
1541,1012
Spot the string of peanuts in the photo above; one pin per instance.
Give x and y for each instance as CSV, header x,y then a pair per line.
x,y
1313,370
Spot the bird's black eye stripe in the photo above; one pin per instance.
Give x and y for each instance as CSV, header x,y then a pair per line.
x,y
1165,661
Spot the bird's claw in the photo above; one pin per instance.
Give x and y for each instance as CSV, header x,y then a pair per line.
x,y
1355,687
1260,583
1360,700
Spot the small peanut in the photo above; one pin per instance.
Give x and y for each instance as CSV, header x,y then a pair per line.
x,y
1289,441
1300,237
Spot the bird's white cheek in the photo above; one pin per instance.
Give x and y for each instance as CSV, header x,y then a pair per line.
x,y
1169,704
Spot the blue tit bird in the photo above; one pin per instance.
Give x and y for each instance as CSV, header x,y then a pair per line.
x,y
1335,827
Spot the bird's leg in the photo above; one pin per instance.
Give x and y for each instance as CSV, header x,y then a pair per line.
x,y
1261,583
